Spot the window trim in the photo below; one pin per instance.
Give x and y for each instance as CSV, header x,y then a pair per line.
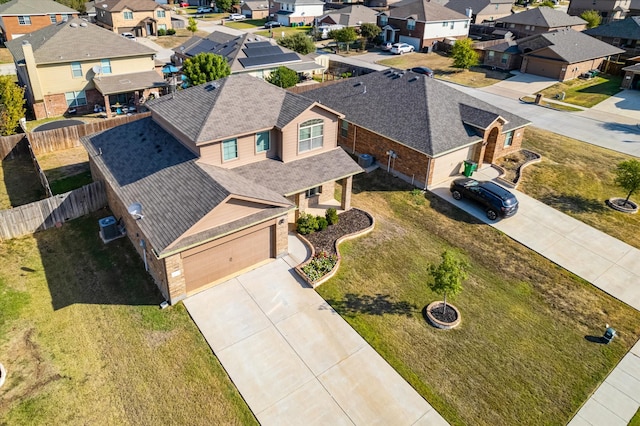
x,y
508,139
384,20
311,124
77,96
344,128
224,149
104,68
313,192
126,13
161,14
76,70
258,150
53,19
411,24
26,20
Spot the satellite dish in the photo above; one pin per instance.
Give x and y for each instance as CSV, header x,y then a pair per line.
x,y
135,210
97,69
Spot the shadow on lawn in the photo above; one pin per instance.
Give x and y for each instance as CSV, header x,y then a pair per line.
x,y
20,177
596,339
624,128
574,203
80,268
355,304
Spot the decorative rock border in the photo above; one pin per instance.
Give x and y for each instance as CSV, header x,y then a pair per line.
x,y
613,203
326,277
518,172
436,322
3,375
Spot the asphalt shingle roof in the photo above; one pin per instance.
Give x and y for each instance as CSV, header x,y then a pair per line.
x,y
75,40
133,5
477,6
628,28
569,45
34,7
545,17
123,83
231,106
414,110
353,15
145,164
423,10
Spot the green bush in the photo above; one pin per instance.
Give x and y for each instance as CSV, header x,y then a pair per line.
x,y
162,32
322,223
307,224
332,216
319,266
171,31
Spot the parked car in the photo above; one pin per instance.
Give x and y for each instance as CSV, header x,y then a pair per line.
x,y
401,48
497,201
236,17
184,4
272,24
423,70
204,9
386,46
129,36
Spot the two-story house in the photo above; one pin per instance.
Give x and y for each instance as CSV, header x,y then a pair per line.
x,y
422,23
75,65
296,12
481,11
140,17
540,20
20,17
609,10
216,190
623,33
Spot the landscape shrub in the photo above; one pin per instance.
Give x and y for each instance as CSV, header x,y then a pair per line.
x,y
307,224
322,223
319,266
162,32
171,31
332,216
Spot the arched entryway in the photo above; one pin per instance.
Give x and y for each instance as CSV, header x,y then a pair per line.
x,y
490,149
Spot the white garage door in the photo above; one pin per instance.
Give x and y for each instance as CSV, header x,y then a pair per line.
x,y
450,164
415,42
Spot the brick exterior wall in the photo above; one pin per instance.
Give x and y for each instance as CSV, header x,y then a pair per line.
x,y
12,26
513,61
56,105
282,236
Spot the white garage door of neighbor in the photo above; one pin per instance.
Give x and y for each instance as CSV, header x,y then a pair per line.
x,y
450,164
415,42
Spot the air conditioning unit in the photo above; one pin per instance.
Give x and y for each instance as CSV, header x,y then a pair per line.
x,y
109,228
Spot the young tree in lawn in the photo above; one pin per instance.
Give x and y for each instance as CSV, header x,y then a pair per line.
x,y
448,276
223,4
11,105
345,35
628,177
369,31
205,67
192,26
283,77
298,42
592,17
463,54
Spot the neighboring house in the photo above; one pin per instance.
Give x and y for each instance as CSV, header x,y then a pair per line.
x,y
624,33
417,126
219,187
63,66
296,12
20,17
505,56
540,20
631,79
349,16
481,11
140,17
609,10
248,53
90,11
421,24
255,9
563,55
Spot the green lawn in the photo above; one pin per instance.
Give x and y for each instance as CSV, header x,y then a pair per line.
x,y
577,178
521,354
278,32
585,93
550,104
84,340
19,182
635,421
246,24
5,56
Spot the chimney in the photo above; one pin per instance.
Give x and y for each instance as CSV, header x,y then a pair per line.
x,y
469,12
32,72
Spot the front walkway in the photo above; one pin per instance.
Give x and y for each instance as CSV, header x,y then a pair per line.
x,y
294,359
607,263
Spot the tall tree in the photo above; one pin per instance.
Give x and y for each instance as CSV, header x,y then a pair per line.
x,y
223,5
369,31
192,26
205,67
592,17
345,35
298,42
628,177
283,77
448,276
463,54
11,105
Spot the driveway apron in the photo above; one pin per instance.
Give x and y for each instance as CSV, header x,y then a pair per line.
x,y
295,360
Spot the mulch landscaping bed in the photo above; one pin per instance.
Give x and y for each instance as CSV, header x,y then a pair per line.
x,y
513,162
350,221
449,316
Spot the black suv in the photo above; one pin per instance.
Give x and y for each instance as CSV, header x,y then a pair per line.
x,y
498,202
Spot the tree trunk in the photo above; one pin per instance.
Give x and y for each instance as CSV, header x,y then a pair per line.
x,y
444,307
627,199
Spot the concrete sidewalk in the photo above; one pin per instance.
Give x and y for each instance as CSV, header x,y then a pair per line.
x,y
294,360
607,263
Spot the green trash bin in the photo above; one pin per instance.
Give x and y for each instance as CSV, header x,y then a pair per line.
x,y
469,167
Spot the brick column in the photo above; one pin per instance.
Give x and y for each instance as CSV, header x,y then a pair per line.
x,y
345,202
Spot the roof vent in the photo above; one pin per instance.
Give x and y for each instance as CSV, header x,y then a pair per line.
x,y
25,42
73,25
135,210
210,86
414,78
83,24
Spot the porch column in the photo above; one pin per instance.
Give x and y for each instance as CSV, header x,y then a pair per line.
x,y
136,100
297,212
107,106
345,202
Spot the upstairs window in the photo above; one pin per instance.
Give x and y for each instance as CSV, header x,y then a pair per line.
x,y
24,20
128,16
445,23
76,69
52,18
229,149
411,24
160,14
384,20
105,64
311,135
491,54
65,17
344,128
505,58
262,142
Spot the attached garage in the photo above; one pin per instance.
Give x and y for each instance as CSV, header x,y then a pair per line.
x,y
544,68
413,41
213,261
450,164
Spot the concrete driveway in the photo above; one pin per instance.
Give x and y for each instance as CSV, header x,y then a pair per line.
x,y
625,103
294,360
519,85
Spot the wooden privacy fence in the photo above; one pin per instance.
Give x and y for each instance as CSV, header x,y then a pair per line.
x,y
10,145
69,137
45,214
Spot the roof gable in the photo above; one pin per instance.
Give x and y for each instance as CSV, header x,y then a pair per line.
x,y
424,11
628,28
569,45
545,17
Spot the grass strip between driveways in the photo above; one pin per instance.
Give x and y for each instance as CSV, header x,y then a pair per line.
x,y
524,352
577,178
585,93
84,341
